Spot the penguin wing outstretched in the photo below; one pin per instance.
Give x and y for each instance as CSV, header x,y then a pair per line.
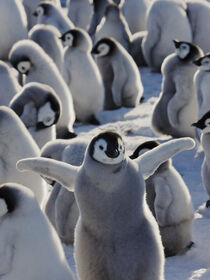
x,y
179,100
151,160
62,172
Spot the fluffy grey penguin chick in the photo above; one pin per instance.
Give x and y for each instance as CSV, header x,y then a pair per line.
x,y
114,25
169,200
61,207
32,61
47,36
9,84
48,13
30,247
88,91
121,76
110,241
204,125
16,143
177,108
80,13
166,20
38,106
15,28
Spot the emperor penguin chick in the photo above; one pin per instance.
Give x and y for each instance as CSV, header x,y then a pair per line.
x,y
15,28
202,84
114,25
121,77
16,143
48,13
38,107
135,14
9,84
204,125
80,13
106,185
166,20
177,108
30,59
30,247
88,91
47,36
169,200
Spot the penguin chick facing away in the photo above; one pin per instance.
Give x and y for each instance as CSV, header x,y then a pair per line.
x,y
88,91
177,107
39,108
111,242
202,84
204,125
120,74
49,13
29,246
15,143
30,59
169,200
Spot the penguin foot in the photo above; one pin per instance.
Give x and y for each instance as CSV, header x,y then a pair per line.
x,y
208,203
142,99
190,245
93,120
66,134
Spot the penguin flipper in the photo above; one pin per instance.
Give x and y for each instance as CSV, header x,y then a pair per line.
x,y
62,172
151,160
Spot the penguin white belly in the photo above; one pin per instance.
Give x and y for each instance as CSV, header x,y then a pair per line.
x,y
204,89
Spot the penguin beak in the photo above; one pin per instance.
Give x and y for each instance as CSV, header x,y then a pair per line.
x,y
197,62
112,153
198,125
176,43
35,14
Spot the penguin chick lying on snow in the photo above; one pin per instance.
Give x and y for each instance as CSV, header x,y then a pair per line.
x,y
169,200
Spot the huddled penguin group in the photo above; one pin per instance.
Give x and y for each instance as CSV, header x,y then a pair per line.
x,y
63,67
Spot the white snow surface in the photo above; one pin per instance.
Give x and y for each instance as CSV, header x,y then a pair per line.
x,y
134,125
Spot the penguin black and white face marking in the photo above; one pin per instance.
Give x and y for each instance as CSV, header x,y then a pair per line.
x,y
68,39
46,116
145,147
39,11
24,66
107,148
103,47
8,200
203,63
185,50
204,123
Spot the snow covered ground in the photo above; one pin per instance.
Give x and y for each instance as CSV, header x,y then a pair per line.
x,y
134,126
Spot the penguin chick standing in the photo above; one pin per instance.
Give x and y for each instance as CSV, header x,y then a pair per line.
x,y
38,107
169,200
47,36
204,125
29,247
166,20
121,77
16,143
30,59
80,13
9,84
15,28
114,25
202,84
177,106
88,90
110,241
49,13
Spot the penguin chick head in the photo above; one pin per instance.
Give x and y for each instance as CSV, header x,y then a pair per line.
x,y
204,123
42,9
186,51
203,62
8,200
22,64
144,147
104,47
77,37
107,148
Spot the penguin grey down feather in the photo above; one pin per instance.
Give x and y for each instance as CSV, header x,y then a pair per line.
x,y
30,59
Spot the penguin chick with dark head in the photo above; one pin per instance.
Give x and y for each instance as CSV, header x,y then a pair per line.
x,y
107,184
203,124
39,108
29,246
169,200
177,106
88,90
121,76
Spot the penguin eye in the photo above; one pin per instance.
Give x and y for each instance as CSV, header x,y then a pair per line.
x,y
103,49
39,11
68,40
101,147
206,61
207,122
24,66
